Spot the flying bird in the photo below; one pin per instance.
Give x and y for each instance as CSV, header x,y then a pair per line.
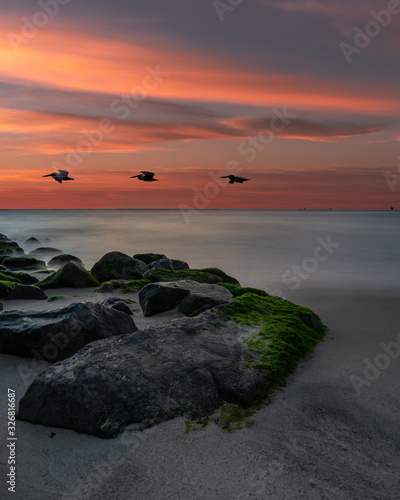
x,y
233,179
145,176
61,176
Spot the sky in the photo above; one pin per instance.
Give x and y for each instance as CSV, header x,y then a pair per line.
x,y
299,96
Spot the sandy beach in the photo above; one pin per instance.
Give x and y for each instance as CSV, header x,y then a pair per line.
x,y
322,436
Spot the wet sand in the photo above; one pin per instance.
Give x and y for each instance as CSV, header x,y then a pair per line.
x,y
319,437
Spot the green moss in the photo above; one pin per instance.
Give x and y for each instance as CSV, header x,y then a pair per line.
x,y
237,291
6,277
289,333
236,416
6,287
184,274
225,277
53,298
132,286
24,278
76,277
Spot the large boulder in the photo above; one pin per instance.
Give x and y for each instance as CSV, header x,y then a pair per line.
x,y
184,365
202,297
170,264
71,275
8,247
26,292
24,278
24,262
60,260
60,333
156,298
148,258
117,265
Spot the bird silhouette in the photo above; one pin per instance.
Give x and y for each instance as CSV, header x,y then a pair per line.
x,y
145,176
234,178
61,176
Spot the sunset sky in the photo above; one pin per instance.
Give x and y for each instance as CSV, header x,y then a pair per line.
x,y
280,92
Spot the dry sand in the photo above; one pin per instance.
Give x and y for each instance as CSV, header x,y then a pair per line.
x,y
318,439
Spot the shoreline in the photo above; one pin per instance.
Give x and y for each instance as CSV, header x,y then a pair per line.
x,y
318,439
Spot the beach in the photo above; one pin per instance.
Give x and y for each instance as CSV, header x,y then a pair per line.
x,y
318,437
332,432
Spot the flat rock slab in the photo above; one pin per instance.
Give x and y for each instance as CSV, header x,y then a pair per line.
x,y
58,334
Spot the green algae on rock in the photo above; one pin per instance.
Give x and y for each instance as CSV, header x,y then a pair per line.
x,y
71,275
184,274
24,262
237,291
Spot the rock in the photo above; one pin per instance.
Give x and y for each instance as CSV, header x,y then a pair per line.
x,y
224,277
117,265
7,283
118,304
121,286
26,292
45,251
1,306
24,278
3,237
60,260
25,262
184,365
70,275
157,275
237,291
60,333
30,242
148,258
156,298
190,297
9,248
3,268
171,265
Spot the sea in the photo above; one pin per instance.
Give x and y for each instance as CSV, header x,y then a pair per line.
x,y
279,251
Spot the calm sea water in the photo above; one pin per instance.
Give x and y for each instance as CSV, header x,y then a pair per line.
x,y
282,251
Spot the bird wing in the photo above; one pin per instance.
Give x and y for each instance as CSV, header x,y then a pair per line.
x,y
147,174
58,180
228,177
49,175
63,173
133,176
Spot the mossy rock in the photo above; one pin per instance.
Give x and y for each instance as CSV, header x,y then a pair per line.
x,y
6,287
24,278
60,260
225,277
148,258
118,266
132,286
71,275
6,277
10,248
237,291
24,262
288,332
198,275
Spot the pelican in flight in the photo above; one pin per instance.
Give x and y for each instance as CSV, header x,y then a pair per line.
x,y
145,176
233,179
61,176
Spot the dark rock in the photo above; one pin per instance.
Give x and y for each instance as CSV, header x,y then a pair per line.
x,y
24,278
156,298
57,334
7,283
30,242
184,365
117,265
223,276
10,248
1,306
171,265
196,303
26,292
3,268
25,262
45,251
148,258
60,260
118,304
71,275
3,237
